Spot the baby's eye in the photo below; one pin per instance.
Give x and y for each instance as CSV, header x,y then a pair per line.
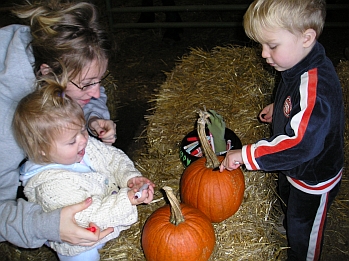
x,y
72,143
272,47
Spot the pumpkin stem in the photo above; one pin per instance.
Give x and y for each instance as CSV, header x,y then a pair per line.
x,y
176,213
211,158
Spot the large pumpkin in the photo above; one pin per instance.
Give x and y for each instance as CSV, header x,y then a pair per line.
x,y
217,194
177,232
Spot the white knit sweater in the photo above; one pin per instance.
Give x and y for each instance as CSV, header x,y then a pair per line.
x,y
107,185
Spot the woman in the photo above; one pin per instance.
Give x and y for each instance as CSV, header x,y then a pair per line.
x,y
61,37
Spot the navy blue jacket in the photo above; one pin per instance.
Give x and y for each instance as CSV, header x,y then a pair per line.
x,y
308,127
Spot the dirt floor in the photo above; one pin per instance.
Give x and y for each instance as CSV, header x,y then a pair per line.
x,y
143,55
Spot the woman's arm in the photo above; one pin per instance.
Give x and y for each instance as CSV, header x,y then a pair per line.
x,y
97,107
22,223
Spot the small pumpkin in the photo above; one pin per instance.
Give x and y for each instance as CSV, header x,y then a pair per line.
x,y
177,232
217,194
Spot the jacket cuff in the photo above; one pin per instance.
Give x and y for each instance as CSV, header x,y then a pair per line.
x,y
248,157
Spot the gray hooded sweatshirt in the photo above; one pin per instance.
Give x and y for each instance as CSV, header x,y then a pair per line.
x,y
22,223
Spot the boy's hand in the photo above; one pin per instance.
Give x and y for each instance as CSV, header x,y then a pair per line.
x,y
266,115
232,160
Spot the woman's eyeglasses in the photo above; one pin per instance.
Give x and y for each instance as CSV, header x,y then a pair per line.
x,y
91,84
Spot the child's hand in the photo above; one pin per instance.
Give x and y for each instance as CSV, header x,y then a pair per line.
x,y
146,195
266,115
232,160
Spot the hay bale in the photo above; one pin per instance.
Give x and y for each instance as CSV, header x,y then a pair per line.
x,y
343,74
232,81
112,94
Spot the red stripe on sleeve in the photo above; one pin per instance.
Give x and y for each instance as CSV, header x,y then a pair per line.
x,y
309,92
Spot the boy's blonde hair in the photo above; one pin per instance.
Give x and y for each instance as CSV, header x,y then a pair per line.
x,y
43,114
65,34
296,16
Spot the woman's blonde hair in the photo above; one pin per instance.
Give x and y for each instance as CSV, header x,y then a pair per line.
x,y
65,34
43,114
296,16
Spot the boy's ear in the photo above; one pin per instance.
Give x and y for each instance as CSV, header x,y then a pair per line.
x,y
309,37
44,69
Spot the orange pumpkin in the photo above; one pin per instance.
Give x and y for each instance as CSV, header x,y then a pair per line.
x,y
177,232
217,194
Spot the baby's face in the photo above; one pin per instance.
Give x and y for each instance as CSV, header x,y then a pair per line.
x,y
69,145
283,49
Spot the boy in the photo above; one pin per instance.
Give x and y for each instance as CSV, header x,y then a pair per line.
x,y
65,166
307,117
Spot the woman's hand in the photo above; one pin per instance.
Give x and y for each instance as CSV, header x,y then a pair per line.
x,y
104,129
73,234
146,195
266,115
